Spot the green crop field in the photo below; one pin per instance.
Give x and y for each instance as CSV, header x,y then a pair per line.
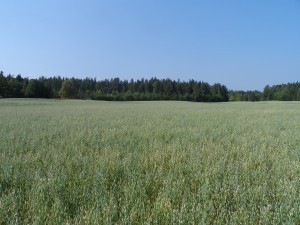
x,y
94,162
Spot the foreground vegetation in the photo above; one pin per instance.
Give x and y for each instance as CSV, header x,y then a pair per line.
x,y
93,162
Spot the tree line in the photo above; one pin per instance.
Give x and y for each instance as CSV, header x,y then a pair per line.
x,y
111,89
123,90
281,92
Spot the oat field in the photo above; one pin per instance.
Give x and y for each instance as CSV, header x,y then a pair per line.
x,y
164,162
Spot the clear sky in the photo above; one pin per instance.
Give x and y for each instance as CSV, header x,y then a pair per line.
x,y
242,44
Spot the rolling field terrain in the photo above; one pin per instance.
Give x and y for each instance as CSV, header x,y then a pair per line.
x,y
94,162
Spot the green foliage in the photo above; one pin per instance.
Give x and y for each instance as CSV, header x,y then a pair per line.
x,y
111,90
283,92
88,162
68,89
31,90
251,96
139,90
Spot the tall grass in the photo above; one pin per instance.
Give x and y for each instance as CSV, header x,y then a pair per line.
x,y
87,162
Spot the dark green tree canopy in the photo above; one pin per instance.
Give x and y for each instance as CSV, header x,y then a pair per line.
x,y
123,90
111,89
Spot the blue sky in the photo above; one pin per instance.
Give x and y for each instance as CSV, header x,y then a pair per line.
x,y
242,44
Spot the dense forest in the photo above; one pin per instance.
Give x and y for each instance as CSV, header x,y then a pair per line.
x,y
282,92
124,90
112,90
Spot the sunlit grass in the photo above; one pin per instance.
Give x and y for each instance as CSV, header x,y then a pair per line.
x,y
92,162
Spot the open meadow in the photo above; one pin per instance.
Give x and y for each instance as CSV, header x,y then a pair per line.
x,y
164,162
